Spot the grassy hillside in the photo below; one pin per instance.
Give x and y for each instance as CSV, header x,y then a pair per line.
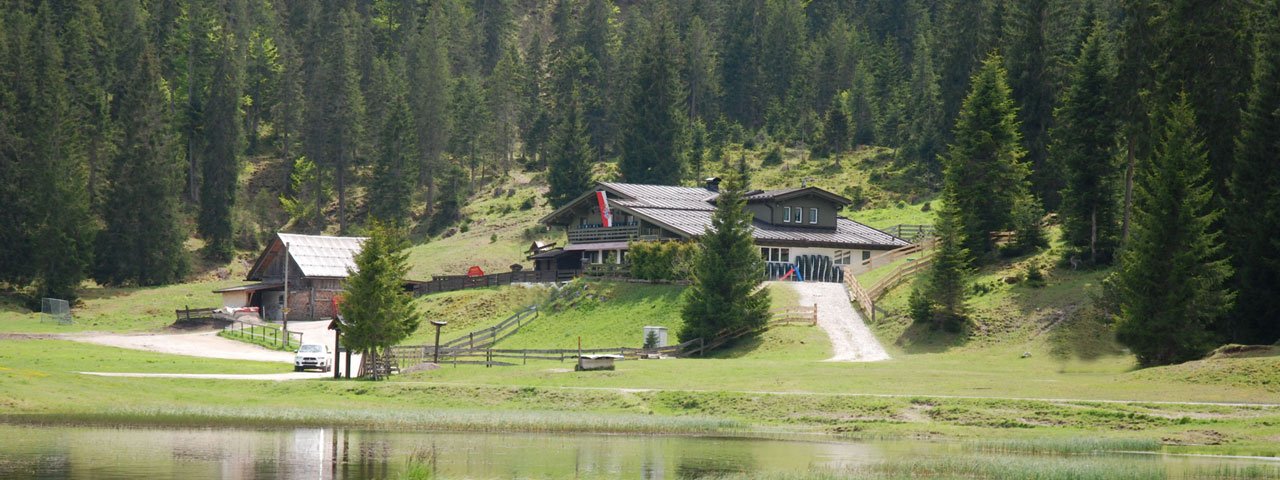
x,y
470,310
608,315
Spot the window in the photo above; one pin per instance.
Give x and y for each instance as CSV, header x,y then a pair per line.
x,y
770,254
799,214
866,254
813,215
844,257
786,214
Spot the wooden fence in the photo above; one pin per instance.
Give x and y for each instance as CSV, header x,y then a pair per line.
x,y
787,316
449,283
486,337
910,233
867,296
195,315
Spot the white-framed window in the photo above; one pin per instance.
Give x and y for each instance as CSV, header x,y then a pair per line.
x,y
843,257
813,215
786,214
773,254
799,214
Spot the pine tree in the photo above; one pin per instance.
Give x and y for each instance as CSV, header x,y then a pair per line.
x,y
377,310
221,142
1084,145
983,164
333,118
1172,277
395,166
429,79
1253,215
63,228
142,242
727,271
945,284
654,142
16,238
836,133
1206,56
1033,53
923,141
569,158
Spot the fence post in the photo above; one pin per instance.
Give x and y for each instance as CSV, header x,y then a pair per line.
x,y
815,314
275,336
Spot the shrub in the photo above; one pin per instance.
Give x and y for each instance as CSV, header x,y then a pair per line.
x,y
919,305
664,261
774,157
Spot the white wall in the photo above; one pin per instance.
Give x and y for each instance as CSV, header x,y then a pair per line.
x,y
235,299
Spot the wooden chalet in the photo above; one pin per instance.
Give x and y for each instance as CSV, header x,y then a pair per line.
x,y
316,266
798,230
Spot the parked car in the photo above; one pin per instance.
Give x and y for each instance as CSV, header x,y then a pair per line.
x,y
313,355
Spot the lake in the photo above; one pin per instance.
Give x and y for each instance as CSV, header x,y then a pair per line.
x,y
323,453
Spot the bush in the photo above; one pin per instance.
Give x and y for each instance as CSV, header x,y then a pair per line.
x,y
663,261
774,157
1035,275
919,305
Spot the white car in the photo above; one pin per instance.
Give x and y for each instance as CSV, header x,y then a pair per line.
x,y
313,355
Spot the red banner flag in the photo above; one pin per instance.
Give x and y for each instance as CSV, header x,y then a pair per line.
x,y
606,216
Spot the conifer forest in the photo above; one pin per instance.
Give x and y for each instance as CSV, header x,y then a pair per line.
x,y
1146,131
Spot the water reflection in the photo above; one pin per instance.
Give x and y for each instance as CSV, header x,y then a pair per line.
x,y
326,453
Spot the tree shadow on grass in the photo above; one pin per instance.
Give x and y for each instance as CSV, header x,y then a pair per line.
x,y
738,348
918,338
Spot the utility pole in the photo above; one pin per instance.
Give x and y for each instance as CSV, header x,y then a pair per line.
x,y
285,309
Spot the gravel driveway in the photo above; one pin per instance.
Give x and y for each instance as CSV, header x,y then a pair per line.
x,y
850,337
210,345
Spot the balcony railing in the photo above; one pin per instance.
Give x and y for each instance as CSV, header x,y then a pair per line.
x,y
616,233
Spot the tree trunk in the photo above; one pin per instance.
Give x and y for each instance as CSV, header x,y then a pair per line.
x,y
342,198
1093,236
1128,188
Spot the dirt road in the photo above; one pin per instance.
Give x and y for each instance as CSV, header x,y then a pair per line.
x,y
209,345
850,337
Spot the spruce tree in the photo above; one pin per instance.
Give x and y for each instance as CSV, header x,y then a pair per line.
x,y
1084,145
395,166
984,168
62,226
946,281
1172,278
429,79
654,141
727,271
142,242
923,140
221,142
1253,214
377,310
569,157
1034,48
16,238
836,133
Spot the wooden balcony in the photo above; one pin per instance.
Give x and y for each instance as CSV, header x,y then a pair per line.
x,y
617,233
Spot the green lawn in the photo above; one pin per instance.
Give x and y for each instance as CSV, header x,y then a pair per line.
x,y
609,315
120,309
470,310
26,359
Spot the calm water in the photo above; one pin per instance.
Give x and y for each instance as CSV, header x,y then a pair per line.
x,y
323,453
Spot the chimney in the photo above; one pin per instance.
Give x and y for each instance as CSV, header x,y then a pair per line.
x,y
713,183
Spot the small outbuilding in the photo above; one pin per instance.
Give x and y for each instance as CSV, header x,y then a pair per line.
x,y
316,266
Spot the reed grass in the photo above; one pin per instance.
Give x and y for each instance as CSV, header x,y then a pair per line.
x,y
1065,446
1009,467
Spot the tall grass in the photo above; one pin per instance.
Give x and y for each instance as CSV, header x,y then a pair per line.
x,y
391,419
1065,446
1003,467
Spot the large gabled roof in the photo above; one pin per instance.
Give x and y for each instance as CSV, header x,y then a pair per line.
x,y
316,256
687,211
